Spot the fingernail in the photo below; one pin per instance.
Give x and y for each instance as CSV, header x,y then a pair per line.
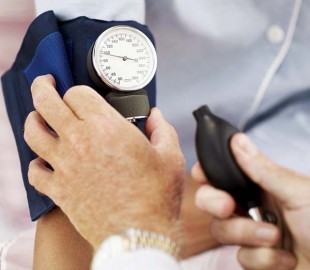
x,y
246,146
266,234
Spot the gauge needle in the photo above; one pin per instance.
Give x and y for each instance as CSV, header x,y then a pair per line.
x,y
123,57
128,58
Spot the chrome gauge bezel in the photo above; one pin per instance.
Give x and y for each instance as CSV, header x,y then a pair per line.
x,y
100,47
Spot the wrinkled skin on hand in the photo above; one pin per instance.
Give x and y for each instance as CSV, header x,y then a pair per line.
x,y
106,175
289,190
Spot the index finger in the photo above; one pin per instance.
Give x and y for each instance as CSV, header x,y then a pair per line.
x,y
49,104
215,201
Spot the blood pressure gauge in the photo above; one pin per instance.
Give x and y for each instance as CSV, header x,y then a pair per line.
x,y
123,58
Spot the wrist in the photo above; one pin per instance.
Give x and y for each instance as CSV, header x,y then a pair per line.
x,y
134,240
169,229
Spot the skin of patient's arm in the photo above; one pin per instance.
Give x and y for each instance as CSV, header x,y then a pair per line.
x,y
195,237
59,246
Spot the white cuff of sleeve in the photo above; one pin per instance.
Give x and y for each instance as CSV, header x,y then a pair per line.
x,y
118,10
148,258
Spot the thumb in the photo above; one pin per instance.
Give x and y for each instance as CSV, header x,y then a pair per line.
x,y
286,185
161,134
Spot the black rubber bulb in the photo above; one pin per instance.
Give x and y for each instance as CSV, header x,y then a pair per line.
x,y
213,137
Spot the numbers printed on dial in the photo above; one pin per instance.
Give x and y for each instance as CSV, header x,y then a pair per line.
x,y
124,58
139,55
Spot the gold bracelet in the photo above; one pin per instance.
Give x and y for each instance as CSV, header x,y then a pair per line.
x,y
131,240
140,239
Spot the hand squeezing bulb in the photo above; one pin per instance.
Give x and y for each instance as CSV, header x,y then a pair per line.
x,y
213,137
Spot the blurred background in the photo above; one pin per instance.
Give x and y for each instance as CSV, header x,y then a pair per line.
x,y
15,16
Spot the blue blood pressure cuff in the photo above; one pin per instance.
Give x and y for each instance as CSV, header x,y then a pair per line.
x,y
60,49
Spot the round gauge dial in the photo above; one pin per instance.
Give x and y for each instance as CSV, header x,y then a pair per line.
x,y
124,58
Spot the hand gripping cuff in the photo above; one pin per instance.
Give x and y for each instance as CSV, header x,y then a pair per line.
x,y
60,49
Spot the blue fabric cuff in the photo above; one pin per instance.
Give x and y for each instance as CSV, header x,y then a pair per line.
x,y
60,49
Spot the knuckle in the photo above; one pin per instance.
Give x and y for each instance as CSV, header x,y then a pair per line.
x,y
172,131
56,197
42,79
76,91
31,172
36,89
27,130
44,150
71,91
37,83
39,98
30,117
79,145
82,89
57,194
65,171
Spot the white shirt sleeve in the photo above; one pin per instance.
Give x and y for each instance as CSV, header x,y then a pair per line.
x,y
108,10
150,259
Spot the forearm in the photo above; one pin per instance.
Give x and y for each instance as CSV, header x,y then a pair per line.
x,y
119,10
59,246
194,239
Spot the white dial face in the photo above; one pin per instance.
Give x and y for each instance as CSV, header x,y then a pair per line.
x,y
124,58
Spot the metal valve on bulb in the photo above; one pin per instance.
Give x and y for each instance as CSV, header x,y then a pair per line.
x,y
213,137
